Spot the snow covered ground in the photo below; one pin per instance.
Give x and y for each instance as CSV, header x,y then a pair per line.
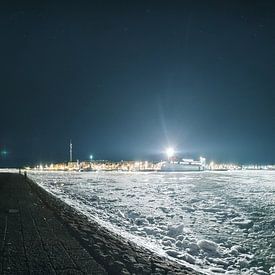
x,y
223,222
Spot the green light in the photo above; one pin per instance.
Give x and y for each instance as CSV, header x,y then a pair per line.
x,y
4,153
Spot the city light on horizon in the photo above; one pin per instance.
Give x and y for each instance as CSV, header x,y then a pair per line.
x,y
170,152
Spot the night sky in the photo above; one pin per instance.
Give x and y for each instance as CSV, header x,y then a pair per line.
x,y
125,79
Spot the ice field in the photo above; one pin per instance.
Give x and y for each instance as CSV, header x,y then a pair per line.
x,y
222,222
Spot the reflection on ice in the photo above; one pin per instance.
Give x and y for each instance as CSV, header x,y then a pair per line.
x,y
223,222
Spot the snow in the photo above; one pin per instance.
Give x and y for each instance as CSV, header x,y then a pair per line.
x,y
222,222
208,246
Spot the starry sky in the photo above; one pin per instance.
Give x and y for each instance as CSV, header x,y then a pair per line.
x,y
126,79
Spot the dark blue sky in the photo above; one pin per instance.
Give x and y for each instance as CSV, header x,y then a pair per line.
x,y
124,79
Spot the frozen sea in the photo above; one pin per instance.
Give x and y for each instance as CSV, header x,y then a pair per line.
x,y
221,222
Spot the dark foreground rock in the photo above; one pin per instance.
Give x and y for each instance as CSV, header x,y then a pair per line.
x,y
116,254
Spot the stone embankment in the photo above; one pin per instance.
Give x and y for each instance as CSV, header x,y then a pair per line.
x,y
116,254
32,239
96,247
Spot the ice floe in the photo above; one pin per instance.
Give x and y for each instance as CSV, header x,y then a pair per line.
x,y
222,222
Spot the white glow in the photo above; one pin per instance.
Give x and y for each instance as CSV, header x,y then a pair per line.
x,y
170,152
91,157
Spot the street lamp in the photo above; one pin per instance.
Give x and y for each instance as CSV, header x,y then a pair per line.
x,y
170,152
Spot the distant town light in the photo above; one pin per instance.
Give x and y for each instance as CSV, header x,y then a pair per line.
x,y
91,157
4,152
170,152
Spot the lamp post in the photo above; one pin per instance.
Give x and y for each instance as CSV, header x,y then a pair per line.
x,y
91,158
170,152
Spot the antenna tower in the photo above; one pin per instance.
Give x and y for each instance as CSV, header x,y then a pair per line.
x,y
71,151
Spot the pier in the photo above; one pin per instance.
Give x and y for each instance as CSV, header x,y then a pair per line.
x,y
40,234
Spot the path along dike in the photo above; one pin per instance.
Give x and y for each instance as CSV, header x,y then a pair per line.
x,y
40,234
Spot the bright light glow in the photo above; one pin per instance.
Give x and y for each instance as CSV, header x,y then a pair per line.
x,y
170,152
91,157
4,153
